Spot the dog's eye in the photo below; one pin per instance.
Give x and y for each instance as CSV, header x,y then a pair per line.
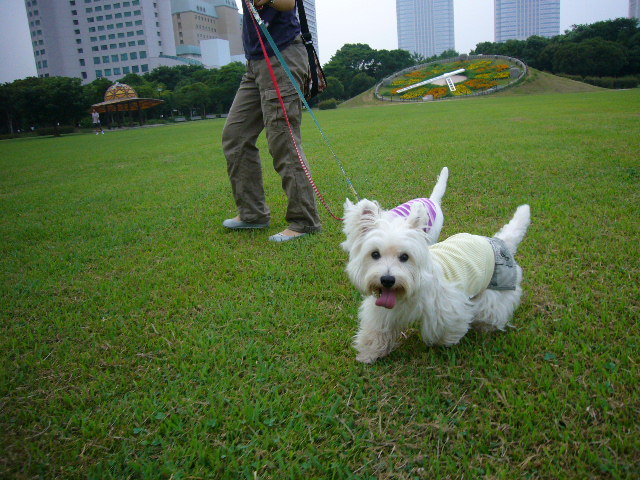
x,y
404,257
375,255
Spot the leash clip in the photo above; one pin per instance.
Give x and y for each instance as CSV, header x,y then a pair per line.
x,y
307,38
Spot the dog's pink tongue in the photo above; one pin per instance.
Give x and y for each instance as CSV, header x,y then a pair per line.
x,y
387,299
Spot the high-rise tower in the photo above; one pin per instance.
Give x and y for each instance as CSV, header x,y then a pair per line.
x,y
520,19
425,26
100,38
634,8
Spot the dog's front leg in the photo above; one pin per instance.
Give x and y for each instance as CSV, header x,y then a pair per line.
x,y
378,333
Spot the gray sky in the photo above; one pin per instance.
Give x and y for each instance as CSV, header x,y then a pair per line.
x,y
339,22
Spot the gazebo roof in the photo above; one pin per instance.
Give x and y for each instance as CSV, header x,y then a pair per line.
x,y
120,97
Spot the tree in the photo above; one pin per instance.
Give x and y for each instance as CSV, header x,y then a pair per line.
x,y
334,89
193,98
94,91
387,62
172,76
8,106
350,60
595,57
360,83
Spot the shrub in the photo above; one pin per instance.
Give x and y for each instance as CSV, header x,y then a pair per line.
x,y
61,130
86,122
613,82
8,136
329,104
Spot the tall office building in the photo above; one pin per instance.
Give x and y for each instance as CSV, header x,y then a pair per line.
x,y
634,8
520,19
425,26
209,31
89,39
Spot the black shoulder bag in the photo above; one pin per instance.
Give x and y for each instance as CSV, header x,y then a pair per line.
x,y
317,81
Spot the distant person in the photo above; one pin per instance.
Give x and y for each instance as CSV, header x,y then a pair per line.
x,y
256,107
95,117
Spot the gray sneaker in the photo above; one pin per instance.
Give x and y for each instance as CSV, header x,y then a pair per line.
x,y
234,224
280,237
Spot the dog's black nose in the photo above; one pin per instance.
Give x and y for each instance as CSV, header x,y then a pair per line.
x,y
387,281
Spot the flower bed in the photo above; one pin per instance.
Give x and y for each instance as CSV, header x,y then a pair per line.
x,y
481,75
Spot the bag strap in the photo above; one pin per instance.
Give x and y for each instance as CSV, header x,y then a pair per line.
x,y
307,38
304,26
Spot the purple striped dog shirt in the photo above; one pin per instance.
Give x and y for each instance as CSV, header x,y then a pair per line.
x,y
404,210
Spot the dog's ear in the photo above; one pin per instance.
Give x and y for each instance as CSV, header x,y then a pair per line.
x,y
418,217
359,218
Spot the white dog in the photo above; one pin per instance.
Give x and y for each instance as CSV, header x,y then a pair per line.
x,y
433,225
465,281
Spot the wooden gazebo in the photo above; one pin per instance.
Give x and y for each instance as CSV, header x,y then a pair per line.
x,y
120,98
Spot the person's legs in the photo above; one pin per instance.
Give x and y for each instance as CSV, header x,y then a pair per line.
x,y
302,212
242,128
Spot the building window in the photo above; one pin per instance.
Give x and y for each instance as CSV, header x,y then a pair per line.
x,y
124,57
145,68
96,60
143,54
105,59
107,72
116,71
135,69
126,70
114,58
98,73
84,75
82,62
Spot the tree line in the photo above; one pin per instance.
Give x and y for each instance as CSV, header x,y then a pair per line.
x,y
609,48
603,49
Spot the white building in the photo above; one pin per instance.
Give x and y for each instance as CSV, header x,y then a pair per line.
x,y
208,31
100,38
634,8
520,19
425,27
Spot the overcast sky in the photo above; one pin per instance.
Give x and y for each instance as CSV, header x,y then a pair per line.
x,y
339,22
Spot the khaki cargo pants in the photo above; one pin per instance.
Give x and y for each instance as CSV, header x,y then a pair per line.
x,y
256,107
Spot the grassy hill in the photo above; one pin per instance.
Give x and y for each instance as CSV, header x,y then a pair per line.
x,y
536,82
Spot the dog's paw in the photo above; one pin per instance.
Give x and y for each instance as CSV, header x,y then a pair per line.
x,y
366,358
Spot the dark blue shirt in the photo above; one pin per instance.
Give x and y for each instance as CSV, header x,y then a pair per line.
x,y
283,27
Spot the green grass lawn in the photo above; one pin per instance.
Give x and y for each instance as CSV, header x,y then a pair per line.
x,y
142,340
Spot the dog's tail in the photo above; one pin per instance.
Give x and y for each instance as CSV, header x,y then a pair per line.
x,y
441,186
513,232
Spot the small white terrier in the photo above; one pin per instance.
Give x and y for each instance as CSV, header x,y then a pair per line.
x,y
466,281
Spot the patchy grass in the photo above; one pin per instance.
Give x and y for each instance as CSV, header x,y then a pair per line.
x,y
141,340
